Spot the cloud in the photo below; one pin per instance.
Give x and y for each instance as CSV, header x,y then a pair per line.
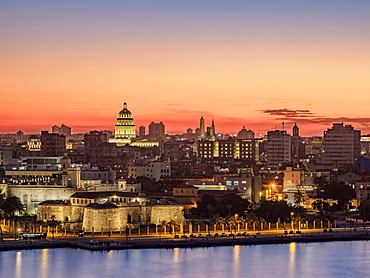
x,y
305,116
289,113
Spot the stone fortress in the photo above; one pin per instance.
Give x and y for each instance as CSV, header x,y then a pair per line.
x,y
110,211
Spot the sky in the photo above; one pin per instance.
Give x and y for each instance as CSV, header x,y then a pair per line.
x,y
257,64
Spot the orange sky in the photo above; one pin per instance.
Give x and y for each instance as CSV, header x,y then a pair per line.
x,y
309,67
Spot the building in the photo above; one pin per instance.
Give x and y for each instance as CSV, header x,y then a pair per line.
x,y
52,144
341,145
110,211
231,148
142,131
97,147
298,148
6,154
34,143
292,178
20,137
156,130
278,148
245,134
63,129
187,195
125,132
155,170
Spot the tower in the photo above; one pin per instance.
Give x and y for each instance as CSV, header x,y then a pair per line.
x,y
295,130
202,131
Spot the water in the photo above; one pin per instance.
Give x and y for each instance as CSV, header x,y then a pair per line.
x,y
327,259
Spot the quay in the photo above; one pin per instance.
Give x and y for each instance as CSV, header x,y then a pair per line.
x,y
119,243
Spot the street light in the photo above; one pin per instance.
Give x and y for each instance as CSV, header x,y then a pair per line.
x,y
291,220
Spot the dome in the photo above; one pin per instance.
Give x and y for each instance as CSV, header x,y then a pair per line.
x,y
125,113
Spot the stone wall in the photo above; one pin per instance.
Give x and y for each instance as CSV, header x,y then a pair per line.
x,y
62,213
91,219
167,213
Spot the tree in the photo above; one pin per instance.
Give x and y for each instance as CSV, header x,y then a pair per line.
x,y
147,184
203,207
2,172
255,219
341,192
12,205
365,210
272,210
298,198
231,204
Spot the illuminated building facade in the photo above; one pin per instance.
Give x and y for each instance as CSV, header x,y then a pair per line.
x,y
341,144
125,132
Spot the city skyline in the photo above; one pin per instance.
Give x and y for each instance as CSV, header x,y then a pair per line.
x,y
240,63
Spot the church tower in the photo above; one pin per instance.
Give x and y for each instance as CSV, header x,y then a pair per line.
x,y
295,130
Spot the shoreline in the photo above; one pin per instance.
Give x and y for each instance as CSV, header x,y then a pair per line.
x,y
106,244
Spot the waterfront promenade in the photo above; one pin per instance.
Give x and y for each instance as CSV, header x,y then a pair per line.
x,y
99,243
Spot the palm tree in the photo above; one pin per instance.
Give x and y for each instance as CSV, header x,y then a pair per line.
x,y
210,208
299,198
254,219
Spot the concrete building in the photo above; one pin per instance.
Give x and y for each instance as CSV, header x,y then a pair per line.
x,y
63,129
156,130
34,143
341,145
52,144
231,148
278,148
292,178
245,134
154,170
6,154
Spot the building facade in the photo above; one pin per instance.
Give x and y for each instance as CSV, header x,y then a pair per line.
x,y
341,145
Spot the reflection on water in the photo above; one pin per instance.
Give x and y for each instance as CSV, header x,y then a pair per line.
x,y
44,273
236,263
292,251
18,264
329,259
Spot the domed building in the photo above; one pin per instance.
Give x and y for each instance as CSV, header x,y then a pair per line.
x,y
125,131
125,128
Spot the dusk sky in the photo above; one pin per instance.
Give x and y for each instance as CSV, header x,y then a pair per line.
x,y
242,63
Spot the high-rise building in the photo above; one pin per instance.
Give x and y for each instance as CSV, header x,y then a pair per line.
x,y
20,137
142,131
52,144
245,134
278,148
156,130
63,129
341,145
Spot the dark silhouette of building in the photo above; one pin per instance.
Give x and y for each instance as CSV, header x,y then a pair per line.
x,y
52,144
156,130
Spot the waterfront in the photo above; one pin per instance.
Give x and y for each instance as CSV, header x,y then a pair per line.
x,y
320,259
